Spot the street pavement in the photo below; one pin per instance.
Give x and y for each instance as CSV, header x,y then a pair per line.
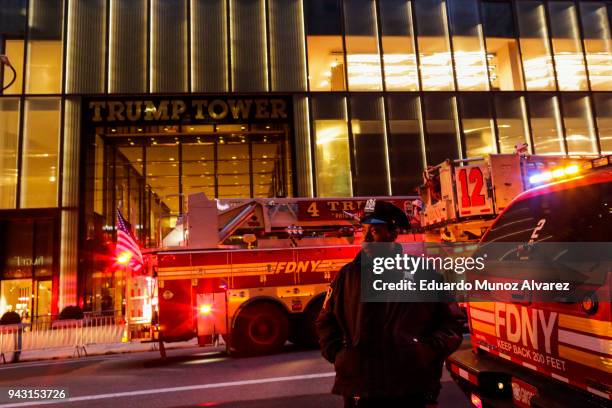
x,y
194,377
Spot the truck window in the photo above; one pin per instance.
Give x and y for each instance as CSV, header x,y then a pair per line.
x,y
580,214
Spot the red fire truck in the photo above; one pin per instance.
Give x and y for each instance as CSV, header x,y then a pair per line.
x,y
253,271
546,353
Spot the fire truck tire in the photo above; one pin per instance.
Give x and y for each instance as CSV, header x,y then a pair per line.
x,y
260,328
308,336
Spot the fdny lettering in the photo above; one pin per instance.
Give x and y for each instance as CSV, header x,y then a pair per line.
x,y
519,324
292,266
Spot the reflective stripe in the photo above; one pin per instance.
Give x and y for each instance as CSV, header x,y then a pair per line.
x,y
591,326
588,359
488,306
558,377
530,366
484,316
596,344
483,327
597,392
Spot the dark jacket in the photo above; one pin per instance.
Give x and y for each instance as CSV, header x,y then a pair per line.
x,y
385,349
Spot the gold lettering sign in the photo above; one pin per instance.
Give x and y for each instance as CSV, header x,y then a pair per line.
x,y
219,109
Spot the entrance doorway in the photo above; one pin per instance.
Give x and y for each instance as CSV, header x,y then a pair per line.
x,y
148,172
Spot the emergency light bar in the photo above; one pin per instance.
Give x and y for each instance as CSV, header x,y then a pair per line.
x,y
554,174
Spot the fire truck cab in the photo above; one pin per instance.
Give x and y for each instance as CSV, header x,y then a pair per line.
x,y
546,353
253,271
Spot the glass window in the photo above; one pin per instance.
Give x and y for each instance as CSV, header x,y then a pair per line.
x,y
603,109
233,170
505,72
441,129
16,296
477,123
370,154
325,49
468,46
535,48
546,124
168,46
399,58
597,43
199,169
39,171
406,154
362,57
12,34
579,127
569,59
434,45
512,127
9,137
14,50
287,53
44,64
209,46
249,56
128,46
162,181
332,160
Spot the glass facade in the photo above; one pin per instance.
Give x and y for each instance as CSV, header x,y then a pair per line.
x,y
379,89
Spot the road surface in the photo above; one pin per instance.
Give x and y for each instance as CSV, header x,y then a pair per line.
x,y
189,378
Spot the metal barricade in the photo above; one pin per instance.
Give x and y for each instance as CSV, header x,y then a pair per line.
x,y
79,334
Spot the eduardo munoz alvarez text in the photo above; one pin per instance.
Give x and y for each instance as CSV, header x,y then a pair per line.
x,y
410,264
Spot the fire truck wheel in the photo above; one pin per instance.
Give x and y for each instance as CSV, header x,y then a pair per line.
x,y
308,336
260,328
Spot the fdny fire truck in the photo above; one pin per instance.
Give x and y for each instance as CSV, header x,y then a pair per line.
x,y
461,198
253,272
529,352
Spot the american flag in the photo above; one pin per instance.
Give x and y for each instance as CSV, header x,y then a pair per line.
x,y
127,251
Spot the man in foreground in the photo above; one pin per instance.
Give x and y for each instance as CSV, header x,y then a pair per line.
x,y
385,354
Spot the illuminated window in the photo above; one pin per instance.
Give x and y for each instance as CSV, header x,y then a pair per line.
x,y
325,49
569,59
537,60
603,108
546,124
441,129
512,126
597,44
434,46
14,49
40,174
399,58
468,48
362,57
477,123
9,136
44,64
332,160
406,154
370,153
505,72
578,122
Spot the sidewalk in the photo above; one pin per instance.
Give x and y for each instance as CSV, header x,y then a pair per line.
x,y
96,350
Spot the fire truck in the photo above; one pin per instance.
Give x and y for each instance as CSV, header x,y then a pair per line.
x,y
462,197
253,272
530,352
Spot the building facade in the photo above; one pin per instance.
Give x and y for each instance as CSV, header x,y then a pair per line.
x,y
138,103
